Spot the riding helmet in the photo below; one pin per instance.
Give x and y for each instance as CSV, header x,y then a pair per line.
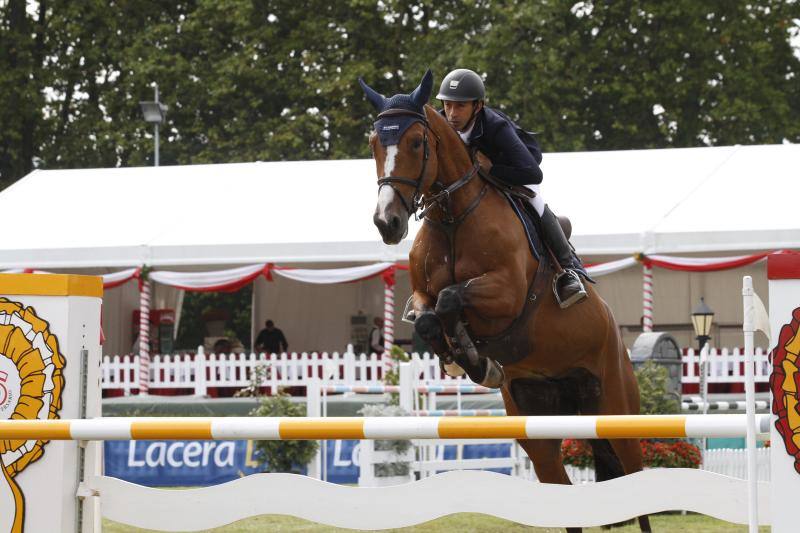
x,y
462,85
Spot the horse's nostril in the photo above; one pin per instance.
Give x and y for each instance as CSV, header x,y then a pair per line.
x,y
394,223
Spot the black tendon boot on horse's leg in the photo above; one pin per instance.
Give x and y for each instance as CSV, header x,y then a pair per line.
x,y
567,285
429,327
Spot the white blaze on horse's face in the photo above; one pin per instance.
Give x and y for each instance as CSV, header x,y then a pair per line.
x,y
391,217
386,194
388,164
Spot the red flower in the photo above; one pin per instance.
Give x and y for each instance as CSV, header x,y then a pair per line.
x,y
655,454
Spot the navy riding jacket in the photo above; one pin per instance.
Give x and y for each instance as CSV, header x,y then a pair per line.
x,y
514,153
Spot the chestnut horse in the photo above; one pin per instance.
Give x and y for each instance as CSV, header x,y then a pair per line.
x,y
477,287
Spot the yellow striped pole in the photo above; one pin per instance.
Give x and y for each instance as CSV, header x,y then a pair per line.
x,y
514,427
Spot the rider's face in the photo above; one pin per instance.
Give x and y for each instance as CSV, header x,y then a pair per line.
x,y
459,113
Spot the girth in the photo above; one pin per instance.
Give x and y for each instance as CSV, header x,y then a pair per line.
x,y
511,346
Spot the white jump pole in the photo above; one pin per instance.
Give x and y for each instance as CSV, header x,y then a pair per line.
x,y
389,427
748,326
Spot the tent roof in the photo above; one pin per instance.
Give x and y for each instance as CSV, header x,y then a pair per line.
x,y
672,200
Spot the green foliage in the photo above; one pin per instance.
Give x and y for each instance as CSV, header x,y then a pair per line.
x,y
282,455
654,398
238,304
259,375
249,80
392,376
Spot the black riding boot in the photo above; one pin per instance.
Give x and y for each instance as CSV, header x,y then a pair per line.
x,y
567,286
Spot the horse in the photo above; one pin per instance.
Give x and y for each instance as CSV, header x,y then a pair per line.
x,y
483,301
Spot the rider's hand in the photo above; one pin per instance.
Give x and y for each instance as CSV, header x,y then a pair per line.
x,y
484,162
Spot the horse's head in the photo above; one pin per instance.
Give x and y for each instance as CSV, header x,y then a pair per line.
x,y
405,162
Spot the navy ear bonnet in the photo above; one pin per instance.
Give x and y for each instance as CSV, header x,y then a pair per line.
x,y
392,127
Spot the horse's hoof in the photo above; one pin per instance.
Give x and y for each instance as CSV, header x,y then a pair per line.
x,y
449,303
429,327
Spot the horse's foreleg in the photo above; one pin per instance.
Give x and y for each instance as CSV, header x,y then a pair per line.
x,y
484,296
489,295
429,326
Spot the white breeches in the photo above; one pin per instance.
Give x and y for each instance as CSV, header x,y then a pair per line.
x,y
537,201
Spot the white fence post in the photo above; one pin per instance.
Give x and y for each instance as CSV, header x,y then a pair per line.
x,y
349,366
366,463
406,387
313,409
200,387
748,326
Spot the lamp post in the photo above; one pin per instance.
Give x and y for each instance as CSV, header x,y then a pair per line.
x,y
702,318
154,113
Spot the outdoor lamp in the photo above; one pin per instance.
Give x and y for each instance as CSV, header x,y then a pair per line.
x,y
154,113
702,317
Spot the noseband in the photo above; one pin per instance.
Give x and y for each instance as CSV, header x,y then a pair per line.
x,y
417,202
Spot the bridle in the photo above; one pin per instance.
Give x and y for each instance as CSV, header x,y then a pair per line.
x,y
441,198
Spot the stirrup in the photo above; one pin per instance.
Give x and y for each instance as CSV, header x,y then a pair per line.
x,y
576,297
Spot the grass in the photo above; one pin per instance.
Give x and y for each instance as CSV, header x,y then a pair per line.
x,y
464,523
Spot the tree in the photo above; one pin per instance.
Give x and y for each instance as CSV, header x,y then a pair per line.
x,y
22,50
249,80
645,74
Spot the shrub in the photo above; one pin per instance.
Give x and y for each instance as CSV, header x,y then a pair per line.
x,y
392,376
577,453
654,398
282,455
656,454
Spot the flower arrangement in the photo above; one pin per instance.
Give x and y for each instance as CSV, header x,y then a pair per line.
x,y
656,454
577,453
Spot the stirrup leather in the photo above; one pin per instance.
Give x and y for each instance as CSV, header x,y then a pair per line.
x,y
575,298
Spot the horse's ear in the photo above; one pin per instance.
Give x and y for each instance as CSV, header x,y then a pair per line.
x,y
377,100
422,93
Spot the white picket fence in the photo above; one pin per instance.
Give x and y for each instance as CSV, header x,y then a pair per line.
x,y
726,365
200,371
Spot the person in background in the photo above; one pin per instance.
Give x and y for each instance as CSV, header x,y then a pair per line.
x,y
376,336
271,339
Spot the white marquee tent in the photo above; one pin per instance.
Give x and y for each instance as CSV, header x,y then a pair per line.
x,y
665,201
712,201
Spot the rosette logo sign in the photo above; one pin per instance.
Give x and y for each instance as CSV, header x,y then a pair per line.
x,y
784,384
31,383
4,396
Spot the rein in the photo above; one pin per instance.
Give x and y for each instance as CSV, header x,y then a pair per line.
x,y
441,198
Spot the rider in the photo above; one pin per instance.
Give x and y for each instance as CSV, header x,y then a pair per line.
x,y
511,155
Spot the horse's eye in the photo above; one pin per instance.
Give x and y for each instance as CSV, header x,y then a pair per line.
x,y
416,144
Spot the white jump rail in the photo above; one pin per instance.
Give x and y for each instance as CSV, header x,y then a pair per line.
x,y
462,491
390,427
